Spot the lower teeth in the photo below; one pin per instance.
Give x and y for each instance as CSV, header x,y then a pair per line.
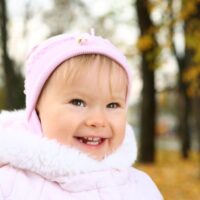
x,y
92,143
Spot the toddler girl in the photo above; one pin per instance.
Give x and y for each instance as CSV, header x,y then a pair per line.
x,y
72,141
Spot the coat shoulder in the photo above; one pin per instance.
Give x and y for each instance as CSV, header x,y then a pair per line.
x,y
17,184
9,117
146,188
8,176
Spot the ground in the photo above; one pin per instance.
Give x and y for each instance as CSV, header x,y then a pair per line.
x,y
177,179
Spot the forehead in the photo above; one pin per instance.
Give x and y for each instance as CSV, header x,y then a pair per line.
x,y
97,68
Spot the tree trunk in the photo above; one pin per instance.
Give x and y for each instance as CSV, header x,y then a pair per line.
x,y
148,114
183,62
184,113
196,104
13,81
189,61
148,109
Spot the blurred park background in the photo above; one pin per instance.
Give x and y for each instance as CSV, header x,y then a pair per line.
x,y
161,39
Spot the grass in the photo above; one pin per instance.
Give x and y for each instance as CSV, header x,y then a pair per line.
x,y
177,179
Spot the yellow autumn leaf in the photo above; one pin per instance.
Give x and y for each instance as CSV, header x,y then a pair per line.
x,y
145,42
192,73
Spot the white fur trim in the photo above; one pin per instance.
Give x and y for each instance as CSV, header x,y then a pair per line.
x,y
22,149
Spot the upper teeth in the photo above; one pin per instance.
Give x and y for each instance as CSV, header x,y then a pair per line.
x,y
96,139
90,140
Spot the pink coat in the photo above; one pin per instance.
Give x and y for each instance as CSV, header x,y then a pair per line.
x,y
36,168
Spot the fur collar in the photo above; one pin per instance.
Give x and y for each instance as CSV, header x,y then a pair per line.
x,y
28,151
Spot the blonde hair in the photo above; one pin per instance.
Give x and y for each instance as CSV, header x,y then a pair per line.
x,y
80,65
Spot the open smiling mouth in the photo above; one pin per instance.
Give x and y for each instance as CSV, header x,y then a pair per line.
x,y
93,141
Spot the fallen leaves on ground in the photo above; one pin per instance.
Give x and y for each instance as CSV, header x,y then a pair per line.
x,y
176,178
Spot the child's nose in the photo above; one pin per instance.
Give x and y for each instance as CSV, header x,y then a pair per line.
x,y
96,118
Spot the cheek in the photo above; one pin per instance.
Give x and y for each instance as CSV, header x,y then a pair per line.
x,y
65,125
55,125
119,126
121,132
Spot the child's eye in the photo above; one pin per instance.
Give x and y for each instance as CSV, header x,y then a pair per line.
x,y
113,105
77,102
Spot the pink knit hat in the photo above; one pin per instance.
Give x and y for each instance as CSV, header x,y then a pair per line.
x,y
44,59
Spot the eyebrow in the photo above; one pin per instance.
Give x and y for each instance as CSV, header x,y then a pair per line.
x,y
87,93
120,99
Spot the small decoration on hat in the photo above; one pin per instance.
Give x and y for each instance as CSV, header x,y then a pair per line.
x,y
92,32
82,39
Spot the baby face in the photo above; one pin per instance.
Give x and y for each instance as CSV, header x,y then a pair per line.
x,y
88,111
